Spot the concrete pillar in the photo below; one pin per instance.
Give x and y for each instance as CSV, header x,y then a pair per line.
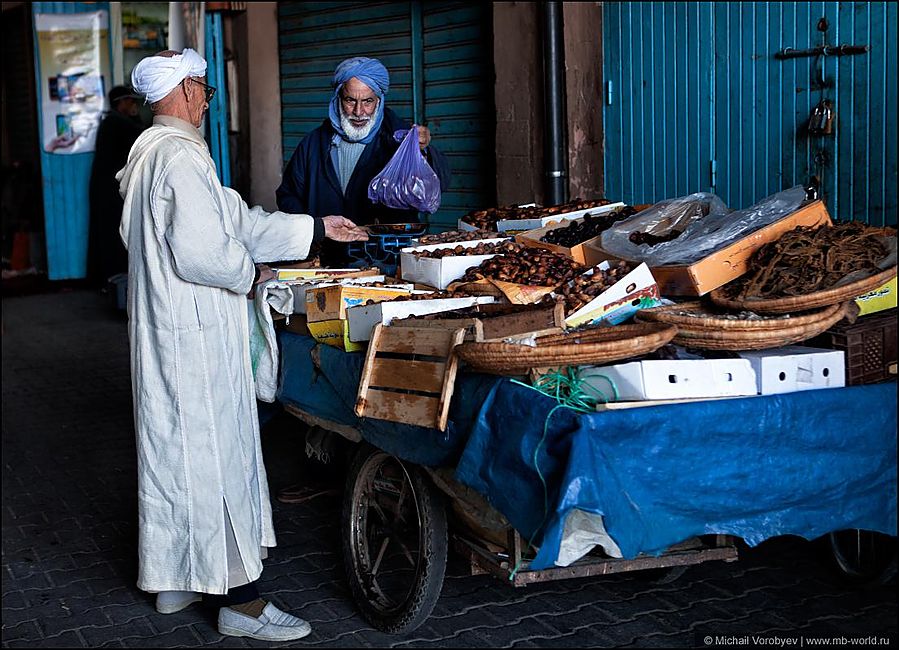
x,y
583,72
264,92
518,95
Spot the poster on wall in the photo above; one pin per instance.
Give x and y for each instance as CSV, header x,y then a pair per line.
x,y
73,59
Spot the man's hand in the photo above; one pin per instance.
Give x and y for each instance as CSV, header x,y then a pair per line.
x,y
424,137
342,229
265,274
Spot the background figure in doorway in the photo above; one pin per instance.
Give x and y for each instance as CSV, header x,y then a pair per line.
x,y
118,131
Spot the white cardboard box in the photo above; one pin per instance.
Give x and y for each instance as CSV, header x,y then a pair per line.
x,y
441,272
363,318
520,225
796,367
672,379
299,288
636,290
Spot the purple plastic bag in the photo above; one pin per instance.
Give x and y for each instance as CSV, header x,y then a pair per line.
x,y
407,181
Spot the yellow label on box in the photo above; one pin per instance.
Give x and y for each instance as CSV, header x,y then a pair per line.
x,y
331,303
334,332
883,297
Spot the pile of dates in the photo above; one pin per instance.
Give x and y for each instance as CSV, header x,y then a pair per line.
x,y
488,218
483,248
531,266
585,288
580,231
458,235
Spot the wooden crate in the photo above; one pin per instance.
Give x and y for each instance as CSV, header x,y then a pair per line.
x,y
409,375
493,322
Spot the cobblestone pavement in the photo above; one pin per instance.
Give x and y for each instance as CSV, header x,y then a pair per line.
x,y
69,535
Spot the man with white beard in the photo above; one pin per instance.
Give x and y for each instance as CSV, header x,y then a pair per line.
x,y
332,166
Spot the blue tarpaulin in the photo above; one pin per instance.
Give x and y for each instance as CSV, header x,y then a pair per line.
x,y
801,464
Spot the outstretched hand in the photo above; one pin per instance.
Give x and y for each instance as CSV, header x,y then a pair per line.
x,y
342,229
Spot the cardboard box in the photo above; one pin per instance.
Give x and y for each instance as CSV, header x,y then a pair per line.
x,y
439,273
334,332
579,253
284,273
635,291
363,318
794,368
300,287
883,297
672,379
330,303
729,263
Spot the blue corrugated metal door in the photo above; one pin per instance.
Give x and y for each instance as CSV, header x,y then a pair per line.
x,y
435,52
65,178
699,102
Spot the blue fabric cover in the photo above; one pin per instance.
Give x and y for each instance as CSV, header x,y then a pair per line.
x,y
798,464
802,464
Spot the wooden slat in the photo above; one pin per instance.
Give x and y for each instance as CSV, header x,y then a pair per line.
x,y
425,376
411,340
368,368
449,381
400,407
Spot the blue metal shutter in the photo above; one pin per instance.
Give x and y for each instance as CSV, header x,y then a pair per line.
x,y
670,130
435,53
458,102
65,178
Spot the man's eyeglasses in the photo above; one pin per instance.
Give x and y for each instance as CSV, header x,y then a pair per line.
x,y
350,103
209,90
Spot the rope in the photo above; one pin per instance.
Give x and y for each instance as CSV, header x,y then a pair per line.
x,y
567,388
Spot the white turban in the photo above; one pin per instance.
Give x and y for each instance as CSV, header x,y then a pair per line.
x,y
156,76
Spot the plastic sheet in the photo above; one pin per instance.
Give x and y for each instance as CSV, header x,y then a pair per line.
x,y
407,181
660,219
706,223
796,464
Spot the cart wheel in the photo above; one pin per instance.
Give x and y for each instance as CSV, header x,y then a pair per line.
x,y
394,540
863,557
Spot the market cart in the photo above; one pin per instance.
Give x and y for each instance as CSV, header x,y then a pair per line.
x,y
660,487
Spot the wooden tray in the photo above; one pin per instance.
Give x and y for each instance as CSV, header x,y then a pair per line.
x,y
737,340
808,301
669,314
494,322
589,347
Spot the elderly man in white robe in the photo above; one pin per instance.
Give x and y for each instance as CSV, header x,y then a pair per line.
x,y
193,246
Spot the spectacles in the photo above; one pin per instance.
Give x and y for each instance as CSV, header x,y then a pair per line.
x,y
350,103
209,90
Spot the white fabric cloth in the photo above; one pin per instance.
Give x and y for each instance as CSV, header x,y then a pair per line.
x,y
156,76
263,341
191,250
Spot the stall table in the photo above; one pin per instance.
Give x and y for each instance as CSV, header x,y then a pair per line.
x,y
650,487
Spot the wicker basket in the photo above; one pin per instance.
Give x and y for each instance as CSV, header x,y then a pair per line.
x,y
809,301
762,339
714,321
594,346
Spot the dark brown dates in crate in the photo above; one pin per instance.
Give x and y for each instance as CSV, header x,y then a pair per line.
x,y
529,266
488,218
581,230
458,236
585,288
483,248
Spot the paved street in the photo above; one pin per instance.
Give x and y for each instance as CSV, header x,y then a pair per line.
x,y
69,536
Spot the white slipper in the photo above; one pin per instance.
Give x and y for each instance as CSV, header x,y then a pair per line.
x,y
272,625
169,602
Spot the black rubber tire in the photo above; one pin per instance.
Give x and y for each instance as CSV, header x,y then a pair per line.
x,y
433,543
864,558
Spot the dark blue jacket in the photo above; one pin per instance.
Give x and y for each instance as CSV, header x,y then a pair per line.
x,y
311,185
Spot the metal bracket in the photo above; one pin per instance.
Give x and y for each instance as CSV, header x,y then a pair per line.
x,y
823,50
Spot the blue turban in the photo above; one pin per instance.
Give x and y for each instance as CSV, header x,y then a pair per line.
x,y
373,74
